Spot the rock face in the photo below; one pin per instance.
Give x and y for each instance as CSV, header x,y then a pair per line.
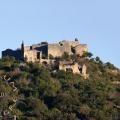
x,y
35,53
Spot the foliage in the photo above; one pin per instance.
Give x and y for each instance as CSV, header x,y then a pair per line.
x,y
43,95
87,54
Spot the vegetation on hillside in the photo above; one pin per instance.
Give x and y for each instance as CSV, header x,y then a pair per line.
x,y
43,94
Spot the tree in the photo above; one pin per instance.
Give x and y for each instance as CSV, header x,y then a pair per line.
x,y
110,66
87,54
62,96
98,60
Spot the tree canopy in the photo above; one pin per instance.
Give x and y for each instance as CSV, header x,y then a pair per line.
x,y
42,95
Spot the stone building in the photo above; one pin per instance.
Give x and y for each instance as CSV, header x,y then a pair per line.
x,y
74,67
69,66
42,51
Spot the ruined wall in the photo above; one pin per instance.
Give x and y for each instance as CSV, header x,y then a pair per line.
x,y
84,69
66,46
30,56
43,48
80,49
35,46
72,43
57,50
84,72
73,67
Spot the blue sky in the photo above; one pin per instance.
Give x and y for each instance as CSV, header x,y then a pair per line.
x,y
95,22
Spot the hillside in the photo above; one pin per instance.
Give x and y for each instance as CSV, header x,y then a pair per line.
x,y
35,92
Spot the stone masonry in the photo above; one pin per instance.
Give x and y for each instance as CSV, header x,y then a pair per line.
x,y
38,52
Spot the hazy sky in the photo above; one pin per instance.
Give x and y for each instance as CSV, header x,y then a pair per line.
x,y
95,22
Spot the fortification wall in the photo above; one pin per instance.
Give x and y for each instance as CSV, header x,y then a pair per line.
x,y
65,46
44,49
54,50
57,50
80,49
35,46
30,56
72,43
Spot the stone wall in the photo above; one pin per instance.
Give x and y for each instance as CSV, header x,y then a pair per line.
x,y
75,67
80,49
30,56
72,43
56,50
66,46
43,49
69,66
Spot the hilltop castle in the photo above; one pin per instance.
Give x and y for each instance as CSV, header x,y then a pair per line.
x,y
43,52
38,52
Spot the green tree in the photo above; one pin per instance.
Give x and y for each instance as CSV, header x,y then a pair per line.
x,y
87,54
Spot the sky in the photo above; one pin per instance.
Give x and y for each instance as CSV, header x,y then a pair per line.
x,y
94,22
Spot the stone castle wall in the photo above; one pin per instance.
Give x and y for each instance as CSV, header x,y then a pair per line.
x,y
56,50
80,49
61,47
30,56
